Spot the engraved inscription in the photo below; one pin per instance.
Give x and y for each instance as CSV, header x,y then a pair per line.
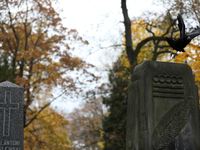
x,y
10,148
7,106
168,86
9,142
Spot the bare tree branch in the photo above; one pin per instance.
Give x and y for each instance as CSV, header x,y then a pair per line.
x,y
147,24
143,42
171,25
45,106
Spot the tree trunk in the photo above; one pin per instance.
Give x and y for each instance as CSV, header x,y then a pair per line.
x,y
132,56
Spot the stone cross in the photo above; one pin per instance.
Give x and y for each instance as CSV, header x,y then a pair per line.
x,y
11,116
163,108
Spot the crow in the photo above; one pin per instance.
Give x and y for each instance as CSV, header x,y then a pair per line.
x,y
184,39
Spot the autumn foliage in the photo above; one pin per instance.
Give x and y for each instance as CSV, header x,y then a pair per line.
x,y
31,35
35,54
48,131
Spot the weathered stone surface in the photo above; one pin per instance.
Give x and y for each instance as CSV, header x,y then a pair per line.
x,y
11,116
163,108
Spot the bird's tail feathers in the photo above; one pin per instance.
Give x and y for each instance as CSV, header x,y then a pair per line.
x,y
194,33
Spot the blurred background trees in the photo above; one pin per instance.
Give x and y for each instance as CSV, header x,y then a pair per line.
x,y
85,125
34,53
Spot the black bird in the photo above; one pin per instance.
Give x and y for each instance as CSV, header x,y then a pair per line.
x,y
184,39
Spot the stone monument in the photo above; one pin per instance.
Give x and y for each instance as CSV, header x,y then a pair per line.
x,y
163,108
11,116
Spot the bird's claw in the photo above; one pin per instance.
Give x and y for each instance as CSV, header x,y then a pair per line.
x,y
172,55
197,27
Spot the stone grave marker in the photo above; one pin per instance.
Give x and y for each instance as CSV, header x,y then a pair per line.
x,y
163,108
11,116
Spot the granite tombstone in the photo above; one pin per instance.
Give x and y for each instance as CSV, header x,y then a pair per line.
x,y
11,116
163,108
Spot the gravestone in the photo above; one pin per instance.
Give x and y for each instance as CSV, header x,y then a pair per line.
x,y
11,116
163,108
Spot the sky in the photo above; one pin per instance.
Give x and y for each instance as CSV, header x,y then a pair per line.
x,y
101,23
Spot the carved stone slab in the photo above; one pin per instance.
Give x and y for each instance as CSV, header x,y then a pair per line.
x,y
163,108
11,116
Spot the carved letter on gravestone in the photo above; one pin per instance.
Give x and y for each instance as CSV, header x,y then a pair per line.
x,y
162,108
11,116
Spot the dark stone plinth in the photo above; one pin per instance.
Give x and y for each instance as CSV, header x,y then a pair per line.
x,y
163,108
11,116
